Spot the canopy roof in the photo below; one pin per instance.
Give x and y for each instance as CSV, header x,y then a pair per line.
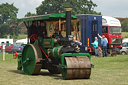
x,y
45,17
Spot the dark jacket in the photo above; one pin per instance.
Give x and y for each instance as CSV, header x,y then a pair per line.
x,y
40,31
32,30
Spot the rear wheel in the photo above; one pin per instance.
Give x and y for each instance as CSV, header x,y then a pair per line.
x,y
33,53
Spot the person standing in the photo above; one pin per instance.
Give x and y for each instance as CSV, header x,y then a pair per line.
x,y
104,46
32,30
41,30
95,44
102,37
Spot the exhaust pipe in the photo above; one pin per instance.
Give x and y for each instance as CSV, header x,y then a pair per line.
x,y
68,21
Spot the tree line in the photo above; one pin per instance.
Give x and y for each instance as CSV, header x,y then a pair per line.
x,y
8,13
8,20
124,25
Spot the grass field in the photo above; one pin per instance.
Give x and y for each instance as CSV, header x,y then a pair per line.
x,y
107,71
22,36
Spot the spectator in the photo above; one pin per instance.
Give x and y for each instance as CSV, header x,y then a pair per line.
x,y
102,37
104,46
95,44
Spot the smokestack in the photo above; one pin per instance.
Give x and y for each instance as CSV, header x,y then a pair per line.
x,y
68,21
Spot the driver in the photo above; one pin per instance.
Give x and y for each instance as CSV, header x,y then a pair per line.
x,y
42,32
32,30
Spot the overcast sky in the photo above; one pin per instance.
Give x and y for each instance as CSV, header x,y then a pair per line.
x,y
24,6
114,8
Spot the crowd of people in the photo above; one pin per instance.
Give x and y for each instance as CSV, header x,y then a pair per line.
x,y
103,45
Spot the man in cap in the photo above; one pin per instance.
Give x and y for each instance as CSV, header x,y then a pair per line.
x,y
42,30
32,30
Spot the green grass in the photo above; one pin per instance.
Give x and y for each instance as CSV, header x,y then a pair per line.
x,y
107,71
22,36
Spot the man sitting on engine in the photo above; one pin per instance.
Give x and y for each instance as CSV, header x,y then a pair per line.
x,y
76,42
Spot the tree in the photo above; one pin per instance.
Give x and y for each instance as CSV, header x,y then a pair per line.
x,y
8,19
30,14
79,6
3,29
124,25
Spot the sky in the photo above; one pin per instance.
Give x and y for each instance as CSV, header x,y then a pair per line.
x,y
24,6
114,8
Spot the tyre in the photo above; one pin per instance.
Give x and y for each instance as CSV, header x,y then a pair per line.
x,y
123,53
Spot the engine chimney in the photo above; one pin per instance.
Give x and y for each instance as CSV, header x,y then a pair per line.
x,y
68,21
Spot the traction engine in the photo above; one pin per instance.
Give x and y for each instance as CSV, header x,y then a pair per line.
x,y
57,55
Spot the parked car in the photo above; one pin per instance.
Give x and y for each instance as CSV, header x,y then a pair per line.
x,y
124,49
8,47
18,47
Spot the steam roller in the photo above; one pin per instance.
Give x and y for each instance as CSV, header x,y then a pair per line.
x,y
57,55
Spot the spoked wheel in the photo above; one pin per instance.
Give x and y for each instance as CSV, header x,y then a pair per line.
x,y
76,68
33,53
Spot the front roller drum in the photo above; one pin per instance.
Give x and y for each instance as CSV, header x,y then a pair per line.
x,y
76,68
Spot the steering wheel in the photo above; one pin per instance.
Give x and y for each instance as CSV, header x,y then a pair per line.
x,y
33,37
15,54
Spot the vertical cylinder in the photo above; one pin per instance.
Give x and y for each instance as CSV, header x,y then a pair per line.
x,y
68,21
